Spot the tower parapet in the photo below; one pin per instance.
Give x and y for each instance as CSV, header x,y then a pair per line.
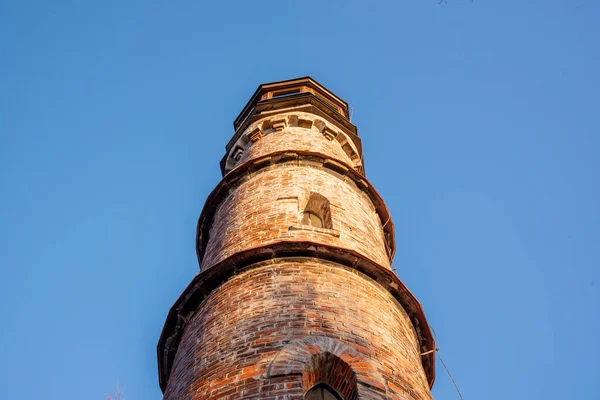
x,y
298,103
295,246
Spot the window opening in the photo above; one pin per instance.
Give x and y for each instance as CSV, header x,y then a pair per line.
x,y
322,392
285,93
317,212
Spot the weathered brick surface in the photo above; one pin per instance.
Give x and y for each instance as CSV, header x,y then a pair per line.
x,y
274,330
266,206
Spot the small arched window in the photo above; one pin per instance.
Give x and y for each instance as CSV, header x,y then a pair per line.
x,y
312,219
322,392
317,212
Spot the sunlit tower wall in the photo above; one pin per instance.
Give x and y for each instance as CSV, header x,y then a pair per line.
x,y
295,298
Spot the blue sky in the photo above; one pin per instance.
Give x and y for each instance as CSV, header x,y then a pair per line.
x,y
480,128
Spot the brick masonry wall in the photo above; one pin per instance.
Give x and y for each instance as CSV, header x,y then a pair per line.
x,y
261,334
266,207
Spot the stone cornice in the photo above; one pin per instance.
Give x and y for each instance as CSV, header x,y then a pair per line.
x,y
269,91
290,119
305,102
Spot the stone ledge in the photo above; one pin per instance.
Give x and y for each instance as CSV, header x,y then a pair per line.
x,y
325,231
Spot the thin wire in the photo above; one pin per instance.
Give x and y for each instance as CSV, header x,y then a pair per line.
x,y
449,374
437,350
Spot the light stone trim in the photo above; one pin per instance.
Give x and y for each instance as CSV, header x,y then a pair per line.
x,y
280,122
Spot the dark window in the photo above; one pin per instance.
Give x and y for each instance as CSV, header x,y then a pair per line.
x,y
317,212
322,392
285,93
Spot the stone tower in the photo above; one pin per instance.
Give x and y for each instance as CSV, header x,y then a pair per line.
x,y
295,298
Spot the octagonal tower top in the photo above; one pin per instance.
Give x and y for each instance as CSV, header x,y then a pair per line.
x,y
301,94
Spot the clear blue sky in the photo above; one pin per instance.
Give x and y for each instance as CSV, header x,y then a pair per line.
x,y
480,125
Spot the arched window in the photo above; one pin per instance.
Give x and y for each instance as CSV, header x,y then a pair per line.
x,y
312,219
322,392
317,212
